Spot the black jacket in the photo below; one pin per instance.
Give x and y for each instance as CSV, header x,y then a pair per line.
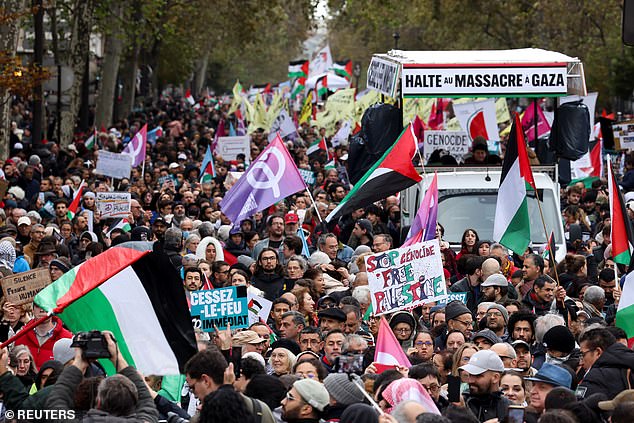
x,y
270,283
62,397
610,372
487,407
474,295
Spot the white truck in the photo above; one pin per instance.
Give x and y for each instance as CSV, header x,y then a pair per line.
x,y
467,199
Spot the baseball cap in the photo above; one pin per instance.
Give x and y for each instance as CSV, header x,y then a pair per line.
x,y
623,396
519,342
173,165
482,361
365,224
552,375
182,156
24,220
291,218
247,337
313,392
489,335
496,279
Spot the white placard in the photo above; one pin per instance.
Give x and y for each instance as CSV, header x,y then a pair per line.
x,y
229,147
113,204
259,308
405,278
113,165
383,76
457,143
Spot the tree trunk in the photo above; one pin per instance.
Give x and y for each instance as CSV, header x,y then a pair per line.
x,y
38,57
111,58
8,46
128,81
79,54
201,74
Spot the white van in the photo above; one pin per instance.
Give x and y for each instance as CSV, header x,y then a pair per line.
x,y
467,199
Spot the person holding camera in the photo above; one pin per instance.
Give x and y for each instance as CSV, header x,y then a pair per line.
x,y
123,395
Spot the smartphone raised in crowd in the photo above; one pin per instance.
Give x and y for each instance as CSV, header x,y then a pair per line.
x,y
453,388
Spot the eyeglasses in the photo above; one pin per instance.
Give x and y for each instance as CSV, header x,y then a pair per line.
x,y
403,330
583,353
427,344
465,323
269,258
431,388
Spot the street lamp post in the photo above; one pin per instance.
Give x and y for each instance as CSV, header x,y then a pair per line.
x,y
356,71
396,37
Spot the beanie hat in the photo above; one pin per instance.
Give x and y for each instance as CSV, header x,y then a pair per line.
x,y
403,317
62,263
313,392
454,309
502,310
341,388
559,338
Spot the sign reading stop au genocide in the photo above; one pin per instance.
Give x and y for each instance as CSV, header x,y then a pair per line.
x,y
458,81
406,277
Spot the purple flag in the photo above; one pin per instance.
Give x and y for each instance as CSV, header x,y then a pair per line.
x,y
269,179
424,225
136,146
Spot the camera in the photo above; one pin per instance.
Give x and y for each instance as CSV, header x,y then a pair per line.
x,y
93,344
349,363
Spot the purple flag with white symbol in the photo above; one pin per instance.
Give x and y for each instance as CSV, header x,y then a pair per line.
x,y
269,179
424,225
136,147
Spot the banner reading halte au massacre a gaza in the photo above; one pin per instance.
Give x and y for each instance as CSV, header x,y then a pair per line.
x,y
456,81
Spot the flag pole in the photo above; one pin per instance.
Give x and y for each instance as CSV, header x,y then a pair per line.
x,y
30,325
314,205
541,214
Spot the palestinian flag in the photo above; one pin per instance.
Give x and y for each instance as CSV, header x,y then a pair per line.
x,y
512,224
550,249
120,223
625,312
91,141
189,97
298,69
74,205
321,87
138,296
391,173
207,170
318,145
343,68
621,234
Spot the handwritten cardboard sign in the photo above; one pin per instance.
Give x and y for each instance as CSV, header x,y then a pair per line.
x,y
21,288
113,204
405,278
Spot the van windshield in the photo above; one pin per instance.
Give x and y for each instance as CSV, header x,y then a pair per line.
x,y
462,209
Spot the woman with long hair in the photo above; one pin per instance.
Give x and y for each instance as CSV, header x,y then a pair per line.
x,y
468,243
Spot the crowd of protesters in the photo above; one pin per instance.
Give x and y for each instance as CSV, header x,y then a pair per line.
x,y
531,334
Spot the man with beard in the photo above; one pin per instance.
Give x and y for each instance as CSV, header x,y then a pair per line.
x,y
275,228
495,289
305,402
484,398
269,274
193,279
524,358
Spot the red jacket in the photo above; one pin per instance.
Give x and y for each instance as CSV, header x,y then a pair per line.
x,y
43,353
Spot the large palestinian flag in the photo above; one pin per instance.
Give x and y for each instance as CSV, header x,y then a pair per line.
x,y
138,296
625,312
621,234
390,174
512,225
